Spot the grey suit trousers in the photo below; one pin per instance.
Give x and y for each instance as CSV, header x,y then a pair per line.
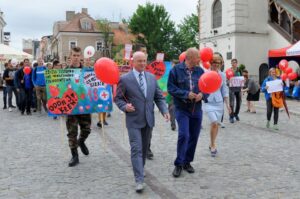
x,y
139,141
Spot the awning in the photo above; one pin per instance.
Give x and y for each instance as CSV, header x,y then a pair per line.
x,y
293,50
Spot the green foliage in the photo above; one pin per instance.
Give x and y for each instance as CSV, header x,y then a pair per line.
x,y
153,27
242,67
188,33
104,27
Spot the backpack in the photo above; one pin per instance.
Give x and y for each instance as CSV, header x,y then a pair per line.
x,y
277,99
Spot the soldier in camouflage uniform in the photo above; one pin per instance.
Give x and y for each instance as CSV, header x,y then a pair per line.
x,y
84,121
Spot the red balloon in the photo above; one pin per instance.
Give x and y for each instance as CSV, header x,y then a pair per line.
x,y
206,64
284,76
182,57
229,73
210,82
27,70
107,71
206,54
283,64
288,70
292,76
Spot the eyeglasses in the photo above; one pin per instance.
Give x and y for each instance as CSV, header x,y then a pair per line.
x,y
216,62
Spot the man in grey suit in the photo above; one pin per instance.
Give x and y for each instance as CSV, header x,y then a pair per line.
x,y
136,92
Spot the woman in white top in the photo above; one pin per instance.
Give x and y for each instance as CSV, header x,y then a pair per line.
x,y
214,107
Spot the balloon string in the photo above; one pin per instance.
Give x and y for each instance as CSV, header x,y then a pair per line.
x,y
124,97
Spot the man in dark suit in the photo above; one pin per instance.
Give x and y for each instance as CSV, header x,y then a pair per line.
x,y
136,92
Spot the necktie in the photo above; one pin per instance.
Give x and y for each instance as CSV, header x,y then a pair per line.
x,y
141,82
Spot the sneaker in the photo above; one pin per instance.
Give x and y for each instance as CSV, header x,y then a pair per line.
x,y
188,167
213,153
222,125
139,187
275,127
268,124
237,118
105,123
231,120
10,109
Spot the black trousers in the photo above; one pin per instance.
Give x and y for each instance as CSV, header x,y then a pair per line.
x,y
235,96
270,108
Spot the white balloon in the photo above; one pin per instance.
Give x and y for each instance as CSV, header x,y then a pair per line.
x,y
89,51
14,62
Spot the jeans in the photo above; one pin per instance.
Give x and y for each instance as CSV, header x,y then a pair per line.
x,y
189,126
235,96
25,99
10,90
5,96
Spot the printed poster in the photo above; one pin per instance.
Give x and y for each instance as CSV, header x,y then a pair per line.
x,y
75,92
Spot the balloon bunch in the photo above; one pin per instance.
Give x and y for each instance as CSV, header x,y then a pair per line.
x,y
288,71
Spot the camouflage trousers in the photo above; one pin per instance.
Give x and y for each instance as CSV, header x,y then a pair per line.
x,y
84,122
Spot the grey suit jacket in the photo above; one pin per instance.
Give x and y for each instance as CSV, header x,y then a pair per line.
x,y
129,91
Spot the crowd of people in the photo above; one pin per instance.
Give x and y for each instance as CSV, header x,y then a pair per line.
x,y
136,94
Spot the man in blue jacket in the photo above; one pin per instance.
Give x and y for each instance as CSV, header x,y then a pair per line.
x,y
183,86
38,79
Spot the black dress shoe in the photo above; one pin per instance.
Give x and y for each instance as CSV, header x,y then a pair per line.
x,y
74,160
177,171
99,124
83,147
5,107
150,155
237,118
173,128
188,167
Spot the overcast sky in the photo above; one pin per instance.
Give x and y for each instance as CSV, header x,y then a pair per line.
x,y
34,18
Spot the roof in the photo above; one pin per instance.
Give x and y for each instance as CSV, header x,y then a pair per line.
x,y
75,26
291,6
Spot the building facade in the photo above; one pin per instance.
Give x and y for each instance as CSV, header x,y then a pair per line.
x,y
79,29
247,29
2,24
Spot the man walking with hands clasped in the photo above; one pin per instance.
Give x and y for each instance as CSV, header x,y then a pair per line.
x,y
136,92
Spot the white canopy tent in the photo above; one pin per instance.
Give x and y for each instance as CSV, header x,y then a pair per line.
x,y
7,52
294,50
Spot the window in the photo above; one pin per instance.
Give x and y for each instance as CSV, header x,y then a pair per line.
x,y
86,25
99,45
217,14
72,44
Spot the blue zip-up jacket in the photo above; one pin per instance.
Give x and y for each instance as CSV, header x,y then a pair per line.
x,y
179,87
19,76
263,87
38,76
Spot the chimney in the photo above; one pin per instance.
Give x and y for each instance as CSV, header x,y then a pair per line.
x,y
84,10
70,15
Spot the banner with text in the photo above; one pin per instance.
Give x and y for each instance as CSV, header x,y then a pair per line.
x,y
75,92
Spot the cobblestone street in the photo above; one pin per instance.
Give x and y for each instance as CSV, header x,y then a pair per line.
x,y
252,162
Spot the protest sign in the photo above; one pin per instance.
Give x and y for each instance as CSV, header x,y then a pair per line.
x,y
76,91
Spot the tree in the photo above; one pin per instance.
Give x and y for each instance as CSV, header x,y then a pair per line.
x,y
104,27
153,27
188,33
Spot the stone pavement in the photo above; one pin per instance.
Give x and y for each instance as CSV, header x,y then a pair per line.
x,y
253,162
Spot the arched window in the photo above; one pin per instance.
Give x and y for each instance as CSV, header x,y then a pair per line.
x,y
217,14
285,22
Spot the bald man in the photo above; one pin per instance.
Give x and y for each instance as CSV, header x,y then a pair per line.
x,y
183,86
136,92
